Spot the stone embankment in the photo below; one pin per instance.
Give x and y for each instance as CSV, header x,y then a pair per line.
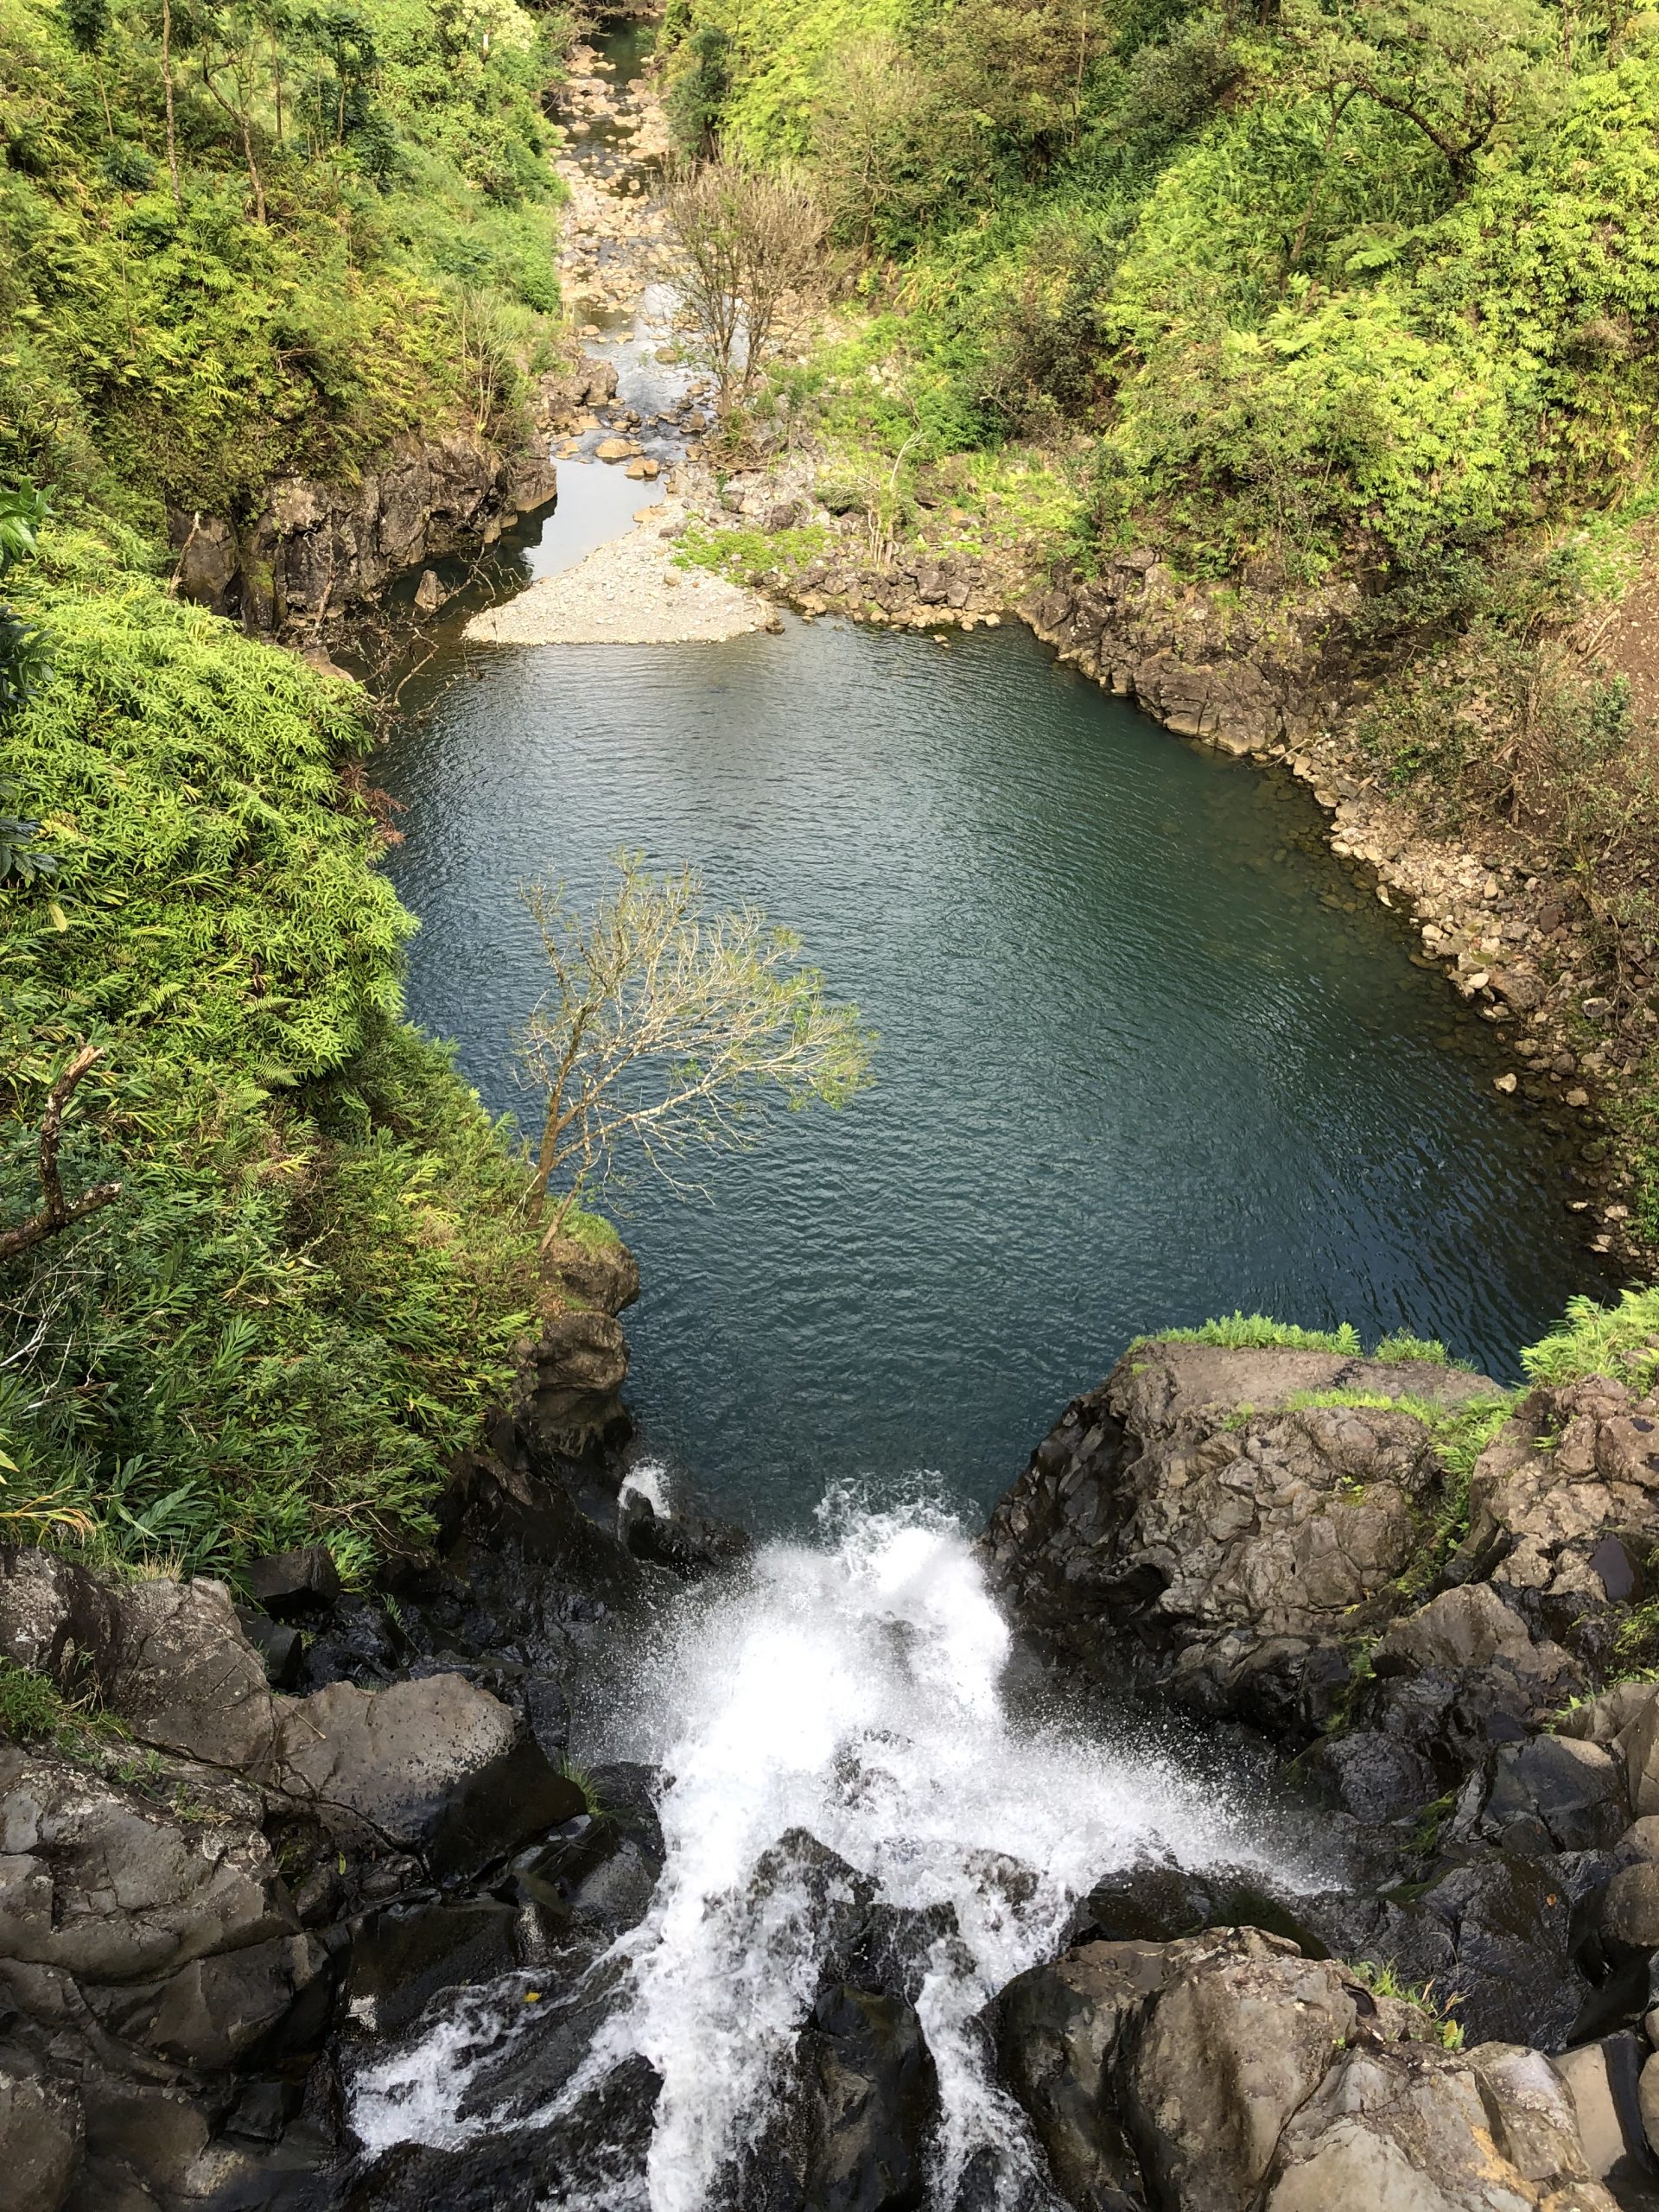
x,y
316,551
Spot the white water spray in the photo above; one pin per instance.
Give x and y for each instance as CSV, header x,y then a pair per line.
x,y
852,1694
649,1481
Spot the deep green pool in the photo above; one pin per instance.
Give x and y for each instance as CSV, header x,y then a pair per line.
x,y
1147,1051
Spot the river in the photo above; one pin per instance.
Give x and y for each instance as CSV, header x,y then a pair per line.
x,y
1148,1053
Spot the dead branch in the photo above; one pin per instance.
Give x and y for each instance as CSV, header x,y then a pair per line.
x,y
56,1212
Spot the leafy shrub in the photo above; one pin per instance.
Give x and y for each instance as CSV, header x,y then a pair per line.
x,y
1259,1333
315,1279
1621,1340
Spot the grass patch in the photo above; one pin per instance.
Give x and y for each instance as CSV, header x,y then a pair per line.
x,y
1260,1332
1402,1347
34,1710
1382,1980
750,556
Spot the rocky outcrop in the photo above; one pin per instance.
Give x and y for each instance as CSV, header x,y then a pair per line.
x,y
1273,1536
204,1872
1243,665
1229,2073
568,1397
315,550
1204,1510
149,1950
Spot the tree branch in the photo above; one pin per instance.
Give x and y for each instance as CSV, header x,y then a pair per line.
x,y
57,1214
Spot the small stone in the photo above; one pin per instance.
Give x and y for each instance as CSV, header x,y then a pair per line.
x,y
1504,1082
1577,1097
612,449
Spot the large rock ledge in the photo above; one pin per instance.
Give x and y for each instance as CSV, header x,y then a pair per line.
x,y
1282,1538
1227,2073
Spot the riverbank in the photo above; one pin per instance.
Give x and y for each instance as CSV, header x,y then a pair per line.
x,y
628,592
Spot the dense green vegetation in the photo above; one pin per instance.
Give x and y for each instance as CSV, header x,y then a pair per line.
x,y
239,237
236,240
1350,283
315,1277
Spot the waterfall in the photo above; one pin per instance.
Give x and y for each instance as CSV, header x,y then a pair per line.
x,y
834,1738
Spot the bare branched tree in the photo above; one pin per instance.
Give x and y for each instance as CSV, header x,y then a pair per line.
x,y
669,1029
751,251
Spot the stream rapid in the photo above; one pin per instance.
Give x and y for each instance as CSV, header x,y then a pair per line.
x,y
850,1788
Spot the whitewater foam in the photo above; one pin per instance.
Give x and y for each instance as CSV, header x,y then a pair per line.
x,y
836,1722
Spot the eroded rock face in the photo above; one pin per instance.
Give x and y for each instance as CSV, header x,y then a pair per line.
x,y
872,2103
1244,668
1188,1510
1564,1512
316,549
1226,2073
147,1943
101,1884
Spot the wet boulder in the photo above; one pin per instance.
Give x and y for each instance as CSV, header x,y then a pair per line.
x,y
1495,1929
1546,1794
294,1584
437,1766
871,2101
403,1953
1059,2030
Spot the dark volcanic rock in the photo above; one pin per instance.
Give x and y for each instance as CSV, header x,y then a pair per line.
x,y
1227,2073
1186,1511
316,549
1058,2029
437,1766
872,2101
289,1585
